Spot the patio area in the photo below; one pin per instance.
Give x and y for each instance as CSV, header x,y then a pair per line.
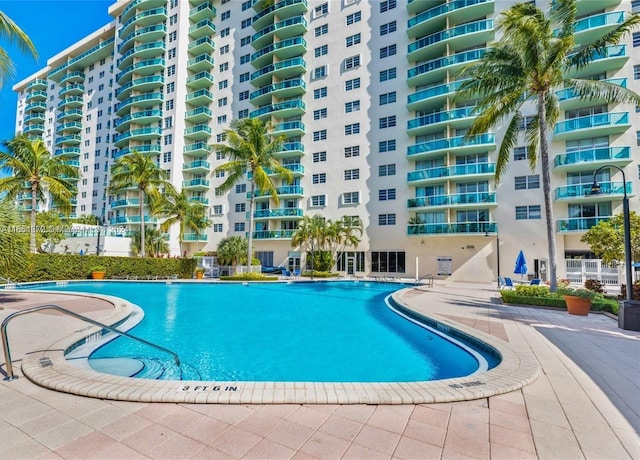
x,y
584,404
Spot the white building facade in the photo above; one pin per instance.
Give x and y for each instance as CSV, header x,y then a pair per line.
x,y
363,93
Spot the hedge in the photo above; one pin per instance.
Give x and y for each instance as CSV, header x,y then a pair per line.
x,y
49,267
513,297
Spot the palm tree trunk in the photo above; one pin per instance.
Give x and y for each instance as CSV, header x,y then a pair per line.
x,y
143,240
546,187
250,235
34,203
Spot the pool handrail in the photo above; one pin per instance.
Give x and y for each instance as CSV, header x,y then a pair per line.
x,y
5,339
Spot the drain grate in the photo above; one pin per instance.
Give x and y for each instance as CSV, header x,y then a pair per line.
x,y
45,362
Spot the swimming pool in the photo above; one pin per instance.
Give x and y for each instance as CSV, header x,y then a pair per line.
x,y
298,332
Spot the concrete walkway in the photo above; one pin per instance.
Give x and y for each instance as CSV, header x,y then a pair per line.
x,y
585,403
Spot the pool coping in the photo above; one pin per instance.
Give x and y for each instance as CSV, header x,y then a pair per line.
x,y
49,368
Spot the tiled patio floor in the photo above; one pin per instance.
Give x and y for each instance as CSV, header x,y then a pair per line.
x,y
589,411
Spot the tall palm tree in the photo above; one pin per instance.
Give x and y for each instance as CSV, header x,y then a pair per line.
x,y
311,235
28,163
535,58
251,149
178,209
140,170
10,31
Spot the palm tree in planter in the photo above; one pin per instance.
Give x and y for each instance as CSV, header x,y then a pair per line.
x,y
177,208
252,150
535,58
139,170
29,165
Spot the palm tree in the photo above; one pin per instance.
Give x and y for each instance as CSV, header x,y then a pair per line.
x,y
251,149
342,235
29,163
10,31
231,250
534,59
155,242
140,170
178,209
14,244
310,235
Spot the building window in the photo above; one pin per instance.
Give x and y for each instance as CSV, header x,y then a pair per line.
x,y
387,122
388,194
223,84
224,66
244,95
171,70
225,32
388,28
318,200
321,10
173,36
528,212
387,219
353,128
246,23
244,113
166,157
352,106
526,122
245,59
352,174
387,51
224,49
388,74
388,262
244,77
319,93
321,51
320,135
321,30
216,210
527,182
352,84
352,151
319,114
246,5
225,15
241,188
171,87
320,72
351,198
173,19
388,98
387,170
238,226
353,40
244,41
352,62
171,53
387,146
240,207
168,139
354,17
217,228
222,119
519,153
387,5
320,178
319,157
222,102
168,122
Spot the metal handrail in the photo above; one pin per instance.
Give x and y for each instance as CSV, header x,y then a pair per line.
x,y
5,340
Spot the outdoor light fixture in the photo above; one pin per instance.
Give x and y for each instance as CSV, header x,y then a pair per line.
x,y
596,190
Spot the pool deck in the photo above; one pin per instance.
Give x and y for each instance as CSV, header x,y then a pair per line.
x,y
584,403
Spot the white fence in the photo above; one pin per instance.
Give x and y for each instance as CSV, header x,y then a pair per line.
x,y
581,270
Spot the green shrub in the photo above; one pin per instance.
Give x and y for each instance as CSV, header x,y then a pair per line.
x,y
532,291
599,303
594,285
249,277
319,274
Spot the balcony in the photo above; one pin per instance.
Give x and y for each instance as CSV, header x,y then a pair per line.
x,y
72,115
37,84
456,228
273,234
199,199
146,51
142,102
140,148
132,220
289,129
281,50
457,12
459,37
74,163
432,96
140,135
283,213
283,9
579,224
202,29
582,192
284,29
197,132
199,115
291,150
144,117
200,46
570,100
147,34
456,145
613,58
127,203
467,171
71,90
36,96
458,200
71,139
601,124
74,126
34,117
200,63
148,67
285,109
68,152
200,97
200,80
73,102
194,237
145,18
283,69
288,190
196,184
139,84
436,69
282,90
197,149
205,10
594,27
33,129
35,107
434,122
72,77
588,160
197,166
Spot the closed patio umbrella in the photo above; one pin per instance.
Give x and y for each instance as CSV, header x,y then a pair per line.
x,y
521,265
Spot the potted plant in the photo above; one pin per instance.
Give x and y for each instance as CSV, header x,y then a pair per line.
x,y
199,272
98,272
578,300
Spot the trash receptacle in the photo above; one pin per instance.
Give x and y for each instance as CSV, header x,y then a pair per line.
x,y
629,315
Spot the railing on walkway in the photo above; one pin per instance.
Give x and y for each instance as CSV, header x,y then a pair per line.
x,y
5,339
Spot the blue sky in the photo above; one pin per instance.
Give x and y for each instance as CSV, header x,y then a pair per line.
x,y
52,25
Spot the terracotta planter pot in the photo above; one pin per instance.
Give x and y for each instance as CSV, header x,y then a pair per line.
x,y
577,305
97,275
199,275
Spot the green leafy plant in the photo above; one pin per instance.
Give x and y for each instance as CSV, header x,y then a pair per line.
x,y
594,285
577,292
97,268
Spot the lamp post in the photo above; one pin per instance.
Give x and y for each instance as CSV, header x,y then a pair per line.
x,y
595,190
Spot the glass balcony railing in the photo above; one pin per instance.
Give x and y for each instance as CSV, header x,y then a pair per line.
x,y
570,93
159,47
37,83
452,200
452,228
286,190
156,30
151,64
199,199
302,7
71,102
295,41
285,105
137,116
295,62
592,121
295,21
442,9
273,234
198,164
74,114
282,85
451,143
584,190
132,220
194,237
195,183
456,59
450,171
139,148
68,151
433,91
579,223
292,147
73,76
440,117
36,107
284,212
438,37
204,9
131,202
599,20
156,80
593,155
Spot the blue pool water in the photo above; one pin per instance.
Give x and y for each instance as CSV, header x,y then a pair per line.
x,y
322,332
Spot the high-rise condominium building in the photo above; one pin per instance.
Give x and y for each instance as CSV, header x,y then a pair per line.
x,y
363,92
